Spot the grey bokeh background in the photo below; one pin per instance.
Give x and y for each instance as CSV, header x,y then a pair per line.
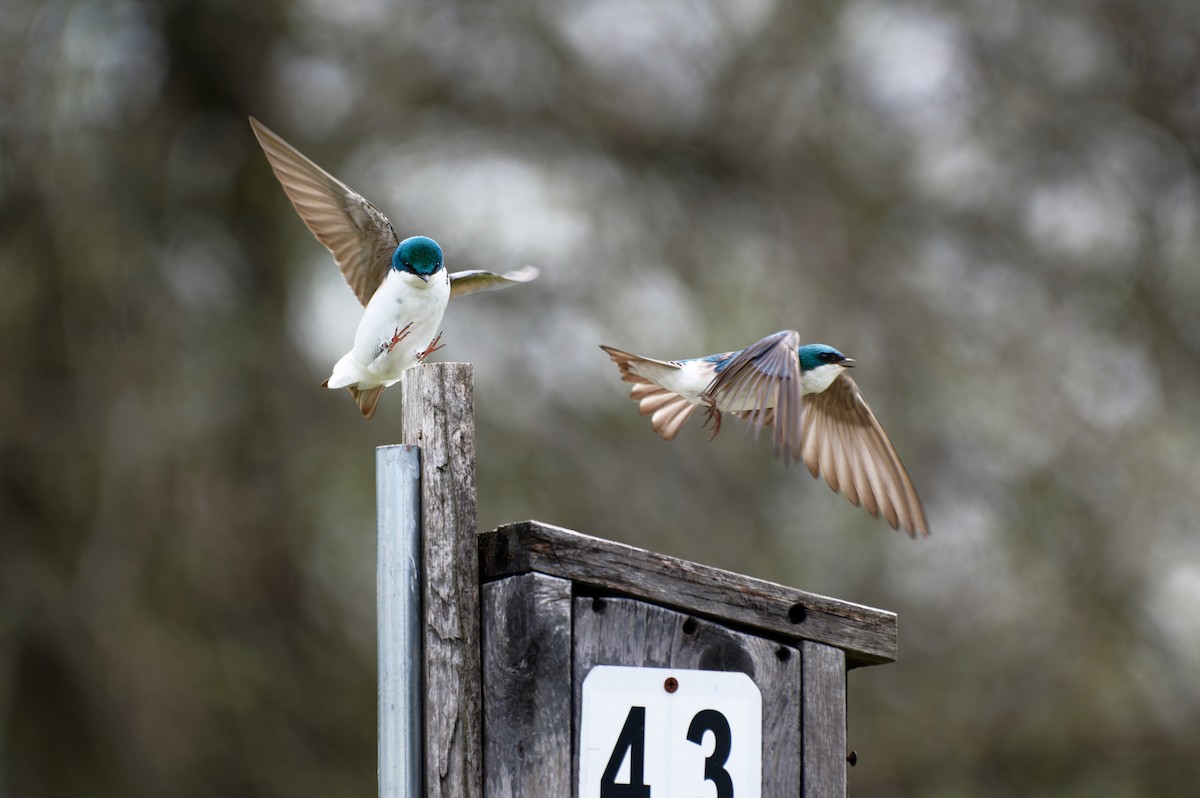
x,y
993,205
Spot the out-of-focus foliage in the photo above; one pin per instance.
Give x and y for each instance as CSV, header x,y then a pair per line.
x,y
993,205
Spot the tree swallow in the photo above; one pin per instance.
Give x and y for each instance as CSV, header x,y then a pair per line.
x,y
403,285
803,391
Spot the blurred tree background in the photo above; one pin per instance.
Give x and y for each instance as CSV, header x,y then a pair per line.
x,y
994,205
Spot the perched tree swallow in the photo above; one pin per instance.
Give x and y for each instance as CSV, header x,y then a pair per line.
x,y
403,284
804,392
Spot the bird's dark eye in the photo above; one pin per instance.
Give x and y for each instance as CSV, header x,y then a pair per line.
x,y
825,357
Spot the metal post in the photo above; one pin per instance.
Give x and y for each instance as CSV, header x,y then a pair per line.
x,y
398,596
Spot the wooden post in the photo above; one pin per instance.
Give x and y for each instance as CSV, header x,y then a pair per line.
x,y
439,417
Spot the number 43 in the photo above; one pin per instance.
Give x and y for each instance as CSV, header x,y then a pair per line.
x,y
632,741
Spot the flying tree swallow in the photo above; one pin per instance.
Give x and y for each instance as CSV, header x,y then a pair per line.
x,y
803,391
403,285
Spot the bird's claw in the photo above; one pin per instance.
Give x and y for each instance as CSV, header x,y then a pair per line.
x,y
397,337
711,414
429,350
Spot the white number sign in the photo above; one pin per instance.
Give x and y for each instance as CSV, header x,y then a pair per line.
x,y
667,733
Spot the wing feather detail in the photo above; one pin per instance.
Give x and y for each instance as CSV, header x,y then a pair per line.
x,y
845,443
468,282
360,237
762,385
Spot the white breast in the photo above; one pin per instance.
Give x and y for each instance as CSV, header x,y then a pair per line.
x,y
818,379
402,299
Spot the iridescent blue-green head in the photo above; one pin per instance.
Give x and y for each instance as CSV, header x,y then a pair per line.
x,y
418,255
813,356
820,366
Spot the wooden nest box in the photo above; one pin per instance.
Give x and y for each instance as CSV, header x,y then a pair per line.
x,y
556,604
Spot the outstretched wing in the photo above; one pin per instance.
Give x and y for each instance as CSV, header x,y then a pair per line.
x,y
469,282
361,238
844,442
762,384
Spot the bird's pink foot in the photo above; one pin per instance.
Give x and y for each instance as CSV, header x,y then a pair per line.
x,y
397,337
429,350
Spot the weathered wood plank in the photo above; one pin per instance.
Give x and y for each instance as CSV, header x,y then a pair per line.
x,y
824,718
617,631
867,635
438,416
527,672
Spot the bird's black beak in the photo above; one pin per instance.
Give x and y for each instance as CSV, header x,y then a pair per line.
x,y
424,277
848,363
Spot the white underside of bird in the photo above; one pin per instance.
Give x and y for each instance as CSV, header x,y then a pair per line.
x,y
402,300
